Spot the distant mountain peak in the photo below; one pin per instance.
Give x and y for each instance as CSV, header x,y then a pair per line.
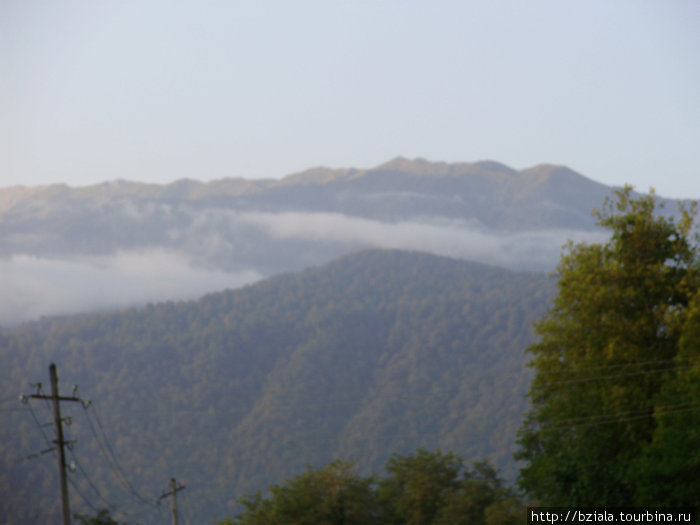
x,y
492,165
422,166
547,168
317,175
417,166
545,171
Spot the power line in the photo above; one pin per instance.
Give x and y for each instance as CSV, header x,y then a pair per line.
x,y
572,422
398,396
103,443
94,487
119,476
375,398
82,496
404,396
116,463
614,376
110,506
39,425
16,409
75,460
35,455
631,418
520,372
620,365
109,455
646,411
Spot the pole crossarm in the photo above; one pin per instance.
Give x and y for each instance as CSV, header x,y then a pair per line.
x,y
181,487
58,398
174,489
60,442
38,454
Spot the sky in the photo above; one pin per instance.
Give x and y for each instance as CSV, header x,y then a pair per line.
x,y
156,91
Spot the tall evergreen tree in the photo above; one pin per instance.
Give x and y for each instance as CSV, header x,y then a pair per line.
x,y
606,349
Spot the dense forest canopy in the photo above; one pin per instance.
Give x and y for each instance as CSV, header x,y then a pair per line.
x,y
375,353
615,418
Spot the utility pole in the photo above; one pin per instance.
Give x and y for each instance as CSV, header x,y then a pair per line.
x,y
59,441
174,489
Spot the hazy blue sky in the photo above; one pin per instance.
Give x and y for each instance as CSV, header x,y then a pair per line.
x,y
156,91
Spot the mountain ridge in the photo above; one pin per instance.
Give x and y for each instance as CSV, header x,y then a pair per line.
x,y
194,237
320,174
485,188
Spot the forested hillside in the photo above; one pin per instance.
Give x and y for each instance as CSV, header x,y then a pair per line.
x,y
376,353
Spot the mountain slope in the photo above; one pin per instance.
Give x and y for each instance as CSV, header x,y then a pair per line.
x,y
401,188
61,246
374,353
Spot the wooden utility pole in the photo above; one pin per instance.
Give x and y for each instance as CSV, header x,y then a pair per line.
x,y
174,489
59,441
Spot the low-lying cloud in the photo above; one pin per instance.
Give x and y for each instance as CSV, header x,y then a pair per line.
x,y
531,250
213,249
32,286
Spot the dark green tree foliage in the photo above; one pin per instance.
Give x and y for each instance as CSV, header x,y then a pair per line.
x,y
330,495
420,489
481,498
102,518
418,485
668,468
608,361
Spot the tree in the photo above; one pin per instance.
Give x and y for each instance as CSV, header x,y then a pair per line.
x,y
667,470
481,499
333,495
102,518
420,489
606,349
418,485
